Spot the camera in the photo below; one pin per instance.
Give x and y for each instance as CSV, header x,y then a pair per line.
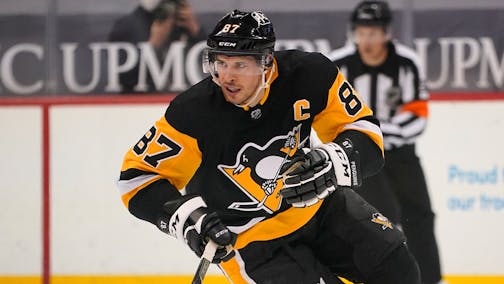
x,y
167,9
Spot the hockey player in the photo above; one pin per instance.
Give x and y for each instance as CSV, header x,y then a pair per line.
x,y
266,149
390,80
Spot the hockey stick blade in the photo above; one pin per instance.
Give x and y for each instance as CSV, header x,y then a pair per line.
x,y
206,259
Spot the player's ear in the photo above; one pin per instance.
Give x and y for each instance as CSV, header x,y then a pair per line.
x,y
388,33
267,60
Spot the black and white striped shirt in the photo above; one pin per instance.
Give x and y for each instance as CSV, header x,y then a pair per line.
x,y
394,90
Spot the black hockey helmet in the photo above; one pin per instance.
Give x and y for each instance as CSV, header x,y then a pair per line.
x,y
243,32
371,13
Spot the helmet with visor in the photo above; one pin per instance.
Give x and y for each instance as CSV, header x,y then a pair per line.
x,y
240,34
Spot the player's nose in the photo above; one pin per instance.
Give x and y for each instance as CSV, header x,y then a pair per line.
x,y
227,77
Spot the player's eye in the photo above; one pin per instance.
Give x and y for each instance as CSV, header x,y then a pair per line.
x,y
220,64
241,65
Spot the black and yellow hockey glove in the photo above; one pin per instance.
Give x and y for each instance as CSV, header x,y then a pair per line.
x,y
313,176
191,221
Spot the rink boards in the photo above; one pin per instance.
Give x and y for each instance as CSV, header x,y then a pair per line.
x,y
85,235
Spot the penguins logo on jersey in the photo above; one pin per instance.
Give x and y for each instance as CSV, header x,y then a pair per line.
x,y
378,218
257,171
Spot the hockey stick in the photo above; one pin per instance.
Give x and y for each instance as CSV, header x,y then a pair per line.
x,y
277,175
206,259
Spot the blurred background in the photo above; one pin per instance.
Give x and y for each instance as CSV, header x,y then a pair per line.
x,y
62,47
79,86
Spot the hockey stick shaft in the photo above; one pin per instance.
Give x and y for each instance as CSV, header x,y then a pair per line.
x,y
204,263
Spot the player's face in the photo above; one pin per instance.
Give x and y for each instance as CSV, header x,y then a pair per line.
x,y
371,42
239,77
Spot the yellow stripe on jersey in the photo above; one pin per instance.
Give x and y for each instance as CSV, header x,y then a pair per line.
x,y
233,271
278,226
344,107
163,151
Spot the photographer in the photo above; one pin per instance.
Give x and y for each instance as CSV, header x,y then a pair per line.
x,y
158,22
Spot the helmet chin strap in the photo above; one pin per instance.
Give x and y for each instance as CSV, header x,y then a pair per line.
x,y
251,102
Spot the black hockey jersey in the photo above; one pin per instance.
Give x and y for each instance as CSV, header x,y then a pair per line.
x,y
394,90
232,156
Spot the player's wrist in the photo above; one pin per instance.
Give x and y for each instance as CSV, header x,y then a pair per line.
x,y
340,162
346,162
188,213
189,220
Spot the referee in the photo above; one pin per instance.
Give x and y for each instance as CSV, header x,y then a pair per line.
x,y
388,77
